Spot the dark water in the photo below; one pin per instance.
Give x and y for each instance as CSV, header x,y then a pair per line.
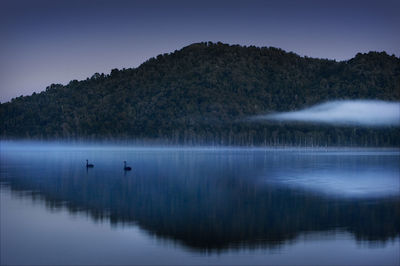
x,y
198,206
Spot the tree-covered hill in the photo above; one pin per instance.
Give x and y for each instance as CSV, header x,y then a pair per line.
x,y
200,95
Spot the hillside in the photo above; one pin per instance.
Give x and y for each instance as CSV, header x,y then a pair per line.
x,y
200,95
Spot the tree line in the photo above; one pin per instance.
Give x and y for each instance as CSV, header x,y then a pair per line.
x,y
202,93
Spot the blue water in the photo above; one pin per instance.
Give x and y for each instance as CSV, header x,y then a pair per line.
x,y
198,205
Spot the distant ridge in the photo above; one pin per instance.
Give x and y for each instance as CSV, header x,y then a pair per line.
x,y
199,94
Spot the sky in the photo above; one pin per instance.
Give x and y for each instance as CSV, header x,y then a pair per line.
x,y
45,42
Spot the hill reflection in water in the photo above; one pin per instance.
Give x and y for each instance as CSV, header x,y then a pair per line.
x,y
214,199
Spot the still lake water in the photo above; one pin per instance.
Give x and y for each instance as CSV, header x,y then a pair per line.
x,y
198,205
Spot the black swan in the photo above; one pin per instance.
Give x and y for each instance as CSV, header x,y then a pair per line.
x,y
89,165
126,168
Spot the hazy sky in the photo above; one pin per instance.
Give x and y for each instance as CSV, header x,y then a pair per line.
x,y
44,42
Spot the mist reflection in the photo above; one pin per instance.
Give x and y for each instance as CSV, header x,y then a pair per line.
x,y
214,200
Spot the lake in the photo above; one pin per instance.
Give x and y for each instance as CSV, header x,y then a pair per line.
x,y
198,205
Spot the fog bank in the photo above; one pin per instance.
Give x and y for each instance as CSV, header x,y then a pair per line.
x,y
371,113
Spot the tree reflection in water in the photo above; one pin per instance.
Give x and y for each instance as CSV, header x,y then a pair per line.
x,y
209,200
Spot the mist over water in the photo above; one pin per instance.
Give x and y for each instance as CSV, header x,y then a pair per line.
x,y
371,113
197,205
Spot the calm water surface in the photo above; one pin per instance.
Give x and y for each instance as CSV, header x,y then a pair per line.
x,y
198,205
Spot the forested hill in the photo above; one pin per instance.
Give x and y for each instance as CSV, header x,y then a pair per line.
x,y
200,95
